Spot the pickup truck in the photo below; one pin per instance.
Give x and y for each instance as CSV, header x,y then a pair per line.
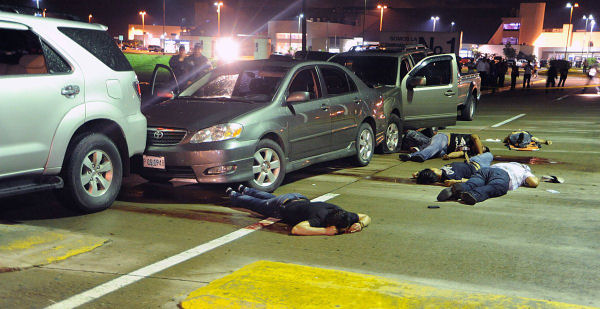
x,y
419,90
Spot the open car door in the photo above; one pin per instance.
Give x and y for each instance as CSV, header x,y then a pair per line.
x,y
163,84
430,92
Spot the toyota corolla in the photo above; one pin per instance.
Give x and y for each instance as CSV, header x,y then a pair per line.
x,y
255,121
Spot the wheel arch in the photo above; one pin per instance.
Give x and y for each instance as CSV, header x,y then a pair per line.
x,y
109,128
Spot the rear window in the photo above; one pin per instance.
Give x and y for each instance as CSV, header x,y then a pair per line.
x,y
101,45
373,70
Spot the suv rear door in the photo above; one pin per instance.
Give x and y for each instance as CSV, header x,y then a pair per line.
x,y
39,87
434,103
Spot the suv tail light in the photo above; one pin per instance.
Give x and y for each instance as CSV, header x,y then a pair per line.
x,y
136,88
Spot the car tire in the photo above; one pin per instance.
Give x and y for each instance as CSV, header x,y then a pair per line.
x,y
467,112
392,137
268,167
157,179
92,173
365,144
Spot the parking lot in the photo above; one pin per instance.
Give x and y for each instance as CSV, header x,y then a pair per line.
x,y
528,247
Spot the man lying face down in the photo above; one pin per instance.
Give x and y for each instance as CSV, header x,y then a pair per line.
x,y
305,217
454,172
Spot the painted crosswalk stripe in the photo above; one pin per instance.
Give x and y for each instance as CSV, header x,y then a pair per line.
x,y
149,270
508,120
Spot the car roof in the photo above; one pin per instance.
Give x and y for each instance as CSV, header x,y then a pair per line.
x,y
34,21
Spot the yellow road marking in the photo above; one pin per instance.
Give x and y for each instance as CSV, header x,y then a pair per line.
x,y
265,284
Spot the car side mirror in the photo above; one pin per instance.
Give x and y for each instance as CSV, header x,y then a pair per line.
x,y
298,96
416,81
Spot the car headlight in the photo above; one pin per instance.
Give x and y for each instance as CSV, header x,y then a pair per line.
x,y
216,133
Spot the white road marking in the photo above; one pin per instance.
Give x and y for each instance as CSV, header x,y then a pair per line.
x,y
508,120
563,97
132,277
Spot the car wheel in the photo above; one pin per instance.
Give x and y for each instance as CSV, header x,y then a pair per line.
x,y
365,144
157,179
467,112
92,173
392,140
268,167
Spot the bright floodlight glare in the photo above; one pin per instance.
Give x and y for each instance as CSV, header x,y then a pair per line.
x,y
435,18
569,4
227,49
301,15
452,23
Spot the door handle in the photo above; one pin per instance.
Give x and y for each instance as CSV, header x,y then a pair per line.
x,y
324,107
449,93
70,91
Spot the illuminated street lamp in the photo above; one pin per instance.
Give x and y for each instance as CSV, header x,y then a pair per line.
x,y
586,18
300,21
143,14
37,3
381,7
569,6
452,26
435,19
219,5
90,18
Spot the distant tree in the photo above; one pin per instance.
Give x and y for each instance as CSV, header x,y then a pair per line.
x,y
509,51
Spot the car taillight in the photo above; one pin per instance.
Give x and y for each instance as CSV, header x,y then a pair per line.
x,y
136,88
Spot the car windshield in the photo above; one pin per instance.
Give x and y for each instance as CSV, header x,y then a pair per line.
x,y
257,83
373,70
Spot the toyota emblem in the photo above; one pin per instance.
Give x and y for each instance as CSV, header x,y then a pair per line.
x,y
158,134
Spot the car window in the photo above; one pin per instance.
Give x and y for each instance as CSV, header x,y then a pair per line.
x,y
101,45
306,80
257,84
372,70
336,81
418,57
21,53
404,68
56,64
437,73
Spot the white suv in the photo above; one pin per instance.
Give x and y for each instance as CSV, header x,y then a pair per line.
x,y
69,110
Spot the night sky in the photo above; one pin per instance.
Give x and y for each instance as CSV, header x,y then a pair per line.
x,y
478,19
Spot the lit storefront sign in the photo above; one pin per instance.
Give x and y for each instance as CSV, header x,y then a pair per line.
x,y
511,26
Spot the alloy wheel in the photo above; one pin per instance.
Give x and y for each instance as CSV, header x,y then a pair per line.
x,y
96,173
365,145
266,167
391,136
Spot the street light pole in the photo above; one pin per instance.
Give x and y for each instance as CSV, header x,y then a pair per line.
x,y
576,5
90,18
435,19
586,18
381,7
143,14
219,5
452,26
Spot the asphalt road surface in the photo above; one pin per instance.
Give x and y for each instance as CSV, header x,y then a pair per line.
x,y
537,245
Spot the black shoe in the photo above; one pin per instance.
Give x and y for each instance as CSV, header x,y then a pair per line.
x,y
241,189
404,156
228,191
417,158
468,198
445,195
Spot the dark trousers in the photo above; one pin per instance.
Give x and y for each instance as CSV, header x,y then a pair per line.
x,y
562,80
527,80
501,77
550,82
488,182
513,81
264,203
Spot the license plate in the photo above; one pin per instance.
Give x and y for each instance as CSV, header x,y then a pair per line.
x,y
154,162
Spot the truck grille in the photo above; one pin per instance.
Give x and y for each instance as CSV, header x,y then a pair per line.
x,y
164,137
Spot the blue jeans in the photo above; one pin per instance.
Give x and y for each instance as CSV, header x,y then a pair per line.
x,y
488,182
437,147
263,203
484,159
